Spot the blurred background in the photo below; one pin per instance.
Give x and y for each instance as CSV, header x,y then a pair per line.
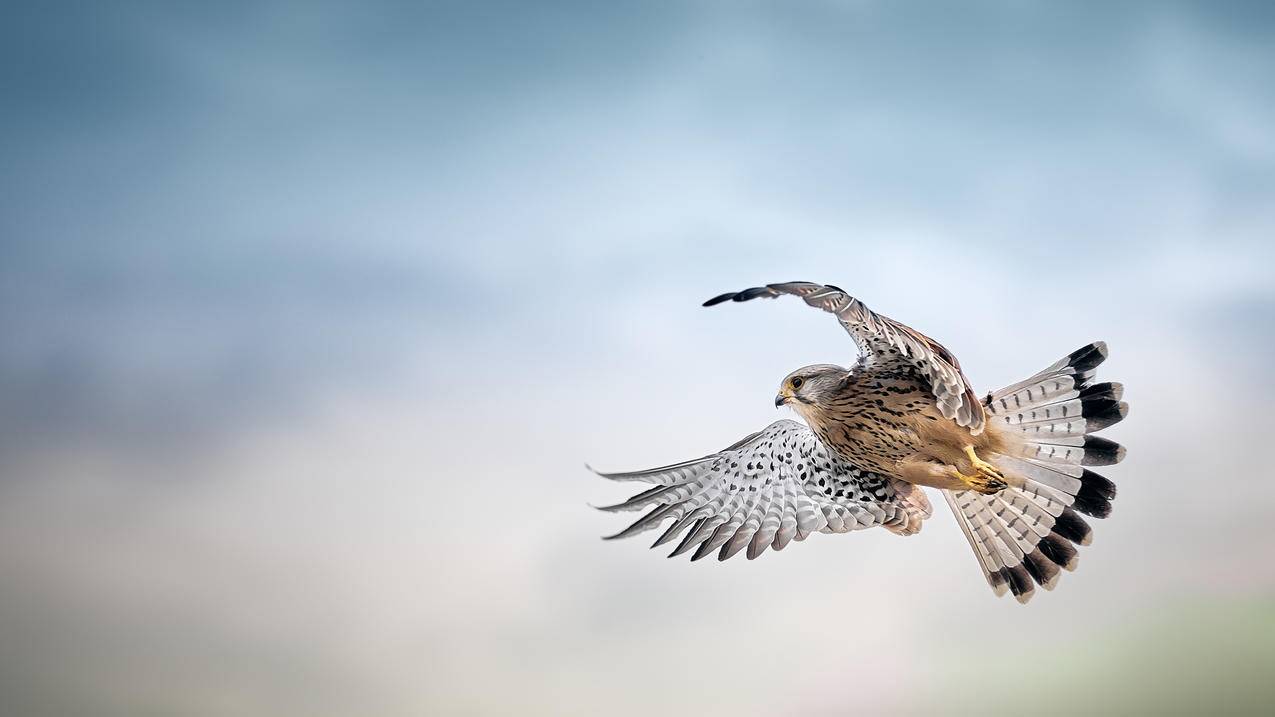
x,y
311,314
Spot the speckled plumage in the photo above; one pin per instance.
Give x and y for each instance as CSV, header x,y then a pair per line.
x,y
870,419
901,417
776,485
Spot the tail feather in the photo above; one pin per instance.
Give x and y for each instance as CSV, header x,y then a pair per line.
x,y
1081,451
1044,571
1078,364
1082,412
1060,478
1095,495
1061,552
1027,534
982,550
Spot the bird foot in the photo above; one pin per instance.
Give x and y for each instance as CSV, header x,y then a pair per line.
x,y
987,479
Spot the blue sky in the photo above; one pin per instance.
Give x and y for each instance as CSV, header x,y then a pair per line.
x,y
313,311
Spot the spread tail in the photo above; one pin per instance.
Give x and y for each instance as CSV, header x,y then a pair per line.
x,y
1026,534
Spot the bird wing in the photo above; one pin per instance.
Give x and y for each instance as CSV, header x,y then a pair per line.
x,y
777,485
882,339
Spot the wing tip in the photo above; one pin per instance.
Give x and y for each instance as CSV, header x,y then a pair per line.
x,y
745,295
608,476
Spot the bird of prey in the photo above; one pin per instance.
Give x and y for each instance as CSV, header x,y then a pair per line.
x,y
1014,466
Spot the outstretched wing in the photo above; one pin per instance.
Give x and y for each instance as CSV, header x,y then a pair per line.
x,y
776,485
882,339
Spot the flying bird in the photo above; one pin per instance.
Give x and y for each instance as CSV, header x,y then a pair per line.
x,y
1014,466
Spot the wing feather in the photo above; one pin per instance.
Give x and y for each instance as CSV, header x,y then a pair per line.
x,y
753,496
882,339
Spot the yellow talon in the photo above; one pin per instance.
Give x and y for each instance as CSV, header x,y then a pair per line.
x,y
986,479
980,465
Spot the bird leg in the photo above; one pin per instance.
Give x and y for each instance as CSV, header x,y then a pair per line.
x,y
986,478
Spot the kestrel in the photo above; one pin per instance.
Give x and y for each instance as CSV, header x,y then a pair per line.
x,y
1013,467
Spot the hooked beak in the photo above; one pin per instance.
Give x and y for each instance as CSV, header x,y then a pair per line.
x,y
780,400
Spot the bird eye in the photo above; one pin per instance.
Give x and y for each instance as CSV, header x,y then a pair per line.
x,y
797,381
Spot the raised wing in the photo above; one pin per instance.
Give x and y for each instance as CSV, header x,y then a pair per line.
x,y
775,486
882,339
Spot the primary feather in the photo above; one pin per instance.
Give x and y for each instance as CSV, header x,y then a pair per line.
x,y
778,484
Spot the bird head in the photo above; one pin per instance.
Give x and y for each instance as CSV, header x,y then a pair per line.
x,y
811,386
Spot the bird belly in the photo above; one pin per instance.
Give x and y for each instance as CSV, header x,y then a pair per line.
x,y
878,430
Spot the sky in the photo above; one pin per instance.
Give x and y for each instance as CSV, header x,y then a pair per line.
x,y
313,313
